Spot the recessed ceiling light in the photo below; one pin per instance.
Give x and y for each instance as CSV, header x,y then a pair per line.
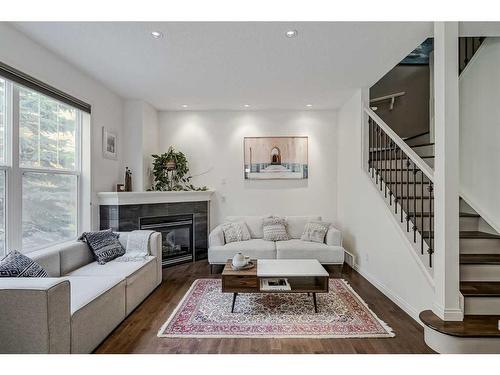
x,y
246,105
291,33
309,105
157,34
184,106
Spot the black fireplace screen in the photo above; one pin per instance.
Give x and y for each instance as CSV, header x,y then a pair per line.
x,y
177,236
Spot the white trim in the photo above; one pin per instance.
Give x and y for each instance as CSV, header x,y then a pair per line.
x,y
447,344
403,304
149,197
453,315
417,160
390,332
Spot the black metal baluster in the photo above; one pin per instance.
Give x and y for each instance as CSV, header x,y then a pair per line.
x,y
389,180
414,203
395,179
431,217
422,211
385,163
371,145
380,155
408,194
402,185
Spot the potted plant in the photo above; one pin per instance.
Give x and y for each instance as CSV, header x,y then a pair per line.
x,y
170,172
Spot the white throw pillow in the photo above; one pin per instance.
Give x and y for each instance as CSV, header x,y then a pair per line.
x,y
275,229
315,231
235,232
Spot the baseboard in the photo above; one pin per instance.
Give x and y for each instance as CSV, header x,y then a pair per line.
x,y
405,306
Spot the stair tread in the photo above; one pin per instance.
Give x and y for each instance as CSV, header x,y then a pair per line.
x,y
479,258
469,234
468,214
480,288
405,183
471,326
423,144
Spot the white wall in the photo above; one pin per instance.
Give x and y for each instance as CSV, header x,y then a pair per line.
x,y
24,54
480,132
382,252
141,140
213,143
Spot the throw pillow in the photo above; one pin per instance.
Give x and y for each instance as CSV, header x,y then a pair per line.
x,y
104,244
16,264
315,231
235,232
275,229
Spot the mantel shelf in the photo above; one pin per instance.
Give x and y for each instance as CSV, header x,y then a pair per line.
x,y
151,197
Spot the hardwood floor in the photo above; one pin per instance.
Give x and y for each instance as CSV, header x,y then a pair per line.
x,y
137,334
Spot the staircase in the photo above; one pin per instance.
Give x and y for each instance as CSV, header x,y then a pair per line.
x,y
403,172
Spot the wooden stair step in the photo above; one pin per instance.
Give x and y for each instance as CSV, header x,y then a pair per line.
x,y
415,136
479,258
423,144
471,326
480,288
468,234
467,214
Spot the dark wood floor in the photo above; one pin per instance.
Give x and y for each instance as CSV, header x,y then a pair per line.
x,y
137,334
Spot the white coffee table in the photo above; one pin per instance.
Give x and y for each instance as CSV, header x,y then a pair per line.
x,y
304,276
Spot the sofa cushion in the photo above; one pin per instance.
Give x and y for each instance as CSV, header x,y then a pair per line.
x,y
254,224
296,224
48,259
275,229
297,249
104,244
315,231
74,255
235,231
255,249
113,268
84,289
15,264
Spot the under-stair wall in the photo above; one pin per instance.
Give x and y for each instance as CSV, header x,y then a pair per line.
x,y
383,253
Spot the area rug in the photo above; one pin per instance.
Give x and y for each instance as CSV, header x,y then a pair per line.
x,y
206,312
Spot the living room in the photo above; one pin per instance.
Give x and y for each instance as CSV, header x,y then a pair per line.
x,y
211,187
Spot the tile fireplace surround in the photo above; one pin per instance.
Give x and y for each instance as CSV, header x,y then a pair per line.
x,y
127,211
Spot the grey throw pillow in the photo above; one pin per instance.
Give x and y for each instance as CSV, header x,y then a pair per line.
x,y
315,231
275,229
104,244
16,264
235,232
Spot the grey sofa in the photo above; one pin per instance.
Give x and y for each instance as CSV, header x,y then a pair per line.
x,y
329,252
81,302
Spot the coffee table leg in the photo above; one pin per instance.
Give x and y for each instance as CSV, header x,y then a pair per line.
x,y
315,303
234,300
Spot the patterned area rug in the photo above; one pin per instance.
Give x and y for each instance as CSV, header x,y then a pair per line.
x,y
206,312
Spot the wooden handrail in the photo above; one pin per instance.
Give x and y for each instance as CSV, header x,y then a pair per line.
x,y
417,160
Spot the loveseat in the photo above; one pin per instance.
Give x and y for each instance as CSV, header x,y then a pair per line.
x,y
329,252
79,304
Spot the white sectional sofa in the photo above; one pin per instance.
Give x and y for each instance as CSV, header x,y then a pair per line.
x,y
74,309
329,252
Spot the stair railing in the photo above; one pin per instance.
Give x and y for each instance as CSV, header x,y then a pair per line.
x,y
402,176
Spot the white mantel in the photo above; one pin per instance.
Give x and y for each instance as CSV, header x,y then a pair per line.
x,y
150,197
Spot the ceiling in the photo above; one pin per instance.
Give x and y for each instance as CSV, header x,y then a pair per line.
x,y
221,65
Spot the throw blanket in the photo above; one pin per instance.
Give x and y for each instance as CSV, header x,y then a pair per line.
x,y
137,246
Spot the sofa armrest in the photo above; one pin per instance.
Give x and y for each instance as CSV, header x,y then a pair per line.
x,y
155,249
35,315
333,237
216,237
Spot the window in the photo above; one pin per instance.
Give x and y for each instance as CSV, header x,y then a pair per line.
x,y
39,169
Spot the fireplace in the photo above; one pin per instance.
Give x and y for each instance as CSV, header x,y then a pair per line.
x,y
177,236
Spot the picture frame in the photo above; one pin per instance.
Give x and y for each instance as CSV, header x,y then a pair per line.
x,y
109,144
276,158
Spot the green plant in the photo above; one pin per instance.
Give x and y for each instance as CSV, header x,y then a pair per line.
x,y
170,171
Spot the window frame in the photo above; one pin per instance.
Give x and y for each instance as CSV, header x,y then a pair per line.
x,y
14,172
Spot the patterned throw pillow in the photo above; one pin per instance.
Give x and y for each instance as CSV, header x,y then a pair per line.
x,y
16,264
275,229
104,244
235,232
315,231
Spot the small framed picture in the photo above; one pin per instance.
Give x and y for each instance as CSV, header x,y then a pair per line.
x,y
109,144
